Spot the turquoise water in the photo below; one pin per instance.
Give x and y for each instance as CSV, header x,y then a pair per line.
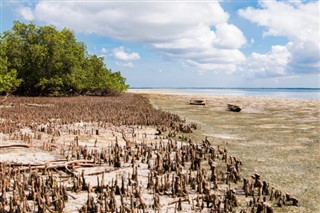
x,y
301,93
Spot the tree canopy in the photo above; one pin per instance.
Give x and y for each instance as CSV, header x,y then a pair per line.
x,y
41,60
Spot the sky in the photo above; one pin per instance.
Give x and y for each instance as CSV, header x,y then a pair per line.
x,y
219,43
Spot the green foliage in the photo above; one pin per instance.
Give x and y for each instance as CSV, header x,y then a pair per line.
x,y
9,81
8,77
49,61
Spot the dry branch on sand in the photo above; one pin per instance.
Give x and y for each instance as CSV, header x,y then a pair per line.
x,y
15,146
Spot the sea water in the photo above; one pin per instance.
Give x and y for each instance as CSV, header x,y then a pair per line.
x,y
300,93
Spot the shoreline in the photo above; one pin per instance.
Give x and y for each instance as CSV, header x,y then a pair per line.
x,y
222,92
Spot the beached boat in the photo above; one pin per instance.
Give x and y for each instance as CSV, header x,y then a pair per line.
x,y
234,108
197,102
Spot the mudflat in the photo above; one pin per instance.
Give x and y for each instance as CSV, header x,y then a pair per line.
x,y
277,138
81,154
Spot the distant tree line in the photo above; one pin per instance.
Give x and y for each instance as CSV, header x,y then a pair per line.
x,y
41,60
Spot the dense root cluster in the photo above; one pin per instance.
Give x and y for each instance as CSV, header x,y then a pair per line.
x,y
128,109
101,167
163,175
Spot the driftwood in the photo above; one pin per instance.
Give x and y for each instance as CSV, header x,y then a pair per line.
x,y
233,108
53,165
21,165
15,146
176,201
106,171
56,165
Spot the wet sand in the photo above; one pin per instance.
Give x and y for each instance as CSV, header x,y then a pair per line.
x,y
275,137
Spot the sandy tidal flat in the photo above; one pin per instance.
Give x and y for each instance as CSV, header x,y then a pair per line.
x,y
275,137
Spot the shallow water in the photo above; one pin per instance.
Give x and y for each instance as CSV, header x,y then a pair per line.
x,y
300,93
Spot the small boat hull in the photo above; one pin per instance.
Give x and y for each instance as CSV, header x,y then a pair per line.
x,y
233,108
197,102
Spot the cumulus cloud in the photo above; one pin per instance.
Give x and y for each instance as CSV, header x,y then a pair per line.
x,y
121,54
26,13
194,32
104,50
271,64
228,36
297,21
129,64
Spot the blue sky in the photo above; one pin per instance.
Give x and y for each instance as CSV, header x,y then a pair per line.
x,y
191,43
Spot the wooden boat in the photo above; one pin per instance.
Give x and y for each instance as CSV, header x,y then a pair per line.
x,y
197,102
234,108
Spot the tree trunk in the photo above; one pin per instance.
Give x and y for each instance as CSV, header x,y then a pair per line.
x,y
5,97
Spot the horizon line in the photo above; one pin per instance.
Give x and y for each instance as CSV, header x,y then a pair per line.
x,y
316,88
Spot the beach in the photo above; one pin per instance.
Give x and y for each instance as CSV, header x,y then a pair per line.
x,y
275,137
160,106
72,141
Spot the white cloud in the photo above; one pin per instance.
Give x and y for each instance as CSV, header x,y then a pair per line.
x,y
121,54
203,66
104,50
297,21
129,64
271,64
185,31
26,13
229,36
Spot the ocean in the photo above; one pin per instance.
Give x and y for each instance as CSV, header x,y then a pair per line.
x,y
300,93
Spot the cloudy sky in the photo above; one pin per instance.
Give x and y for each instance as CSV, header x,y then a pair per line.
x,y
239,43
